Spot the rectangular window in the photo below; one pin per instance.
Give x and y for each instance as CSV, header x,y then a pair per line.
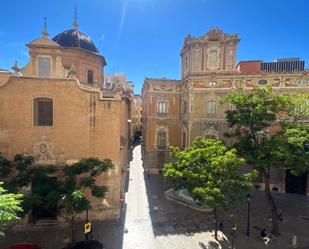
x,y
162,107
44,67
161,143
212,107
90,77
43,112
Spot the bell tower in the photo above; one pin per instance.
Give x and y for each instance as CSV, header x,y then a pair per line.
x,y
214,51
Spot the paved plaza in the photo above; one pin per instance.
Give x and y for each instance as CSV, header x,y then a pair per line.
x,y
149,221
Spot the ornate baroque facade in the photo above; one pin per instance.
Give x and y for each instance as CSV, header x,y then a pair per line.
x,y
177,111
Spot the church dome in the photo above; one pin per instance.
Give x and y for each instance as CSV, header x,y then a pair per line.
x,y
75,39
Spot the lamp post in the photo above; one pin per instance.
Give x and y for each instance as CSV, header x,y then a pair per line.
x,y
248,217
233,234
87,220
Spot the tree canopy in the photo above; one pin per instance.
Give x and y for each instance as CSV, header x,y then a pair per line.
x,y
210,173
269,131
58,191
9,207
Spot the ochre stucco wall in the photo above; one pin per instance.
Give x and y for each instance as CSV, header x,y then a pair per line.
x,y
72,134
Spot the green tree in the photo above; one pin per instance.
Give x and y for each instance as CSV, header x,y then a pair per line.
x,y
79,177
210,173
58,191
9,207
263,127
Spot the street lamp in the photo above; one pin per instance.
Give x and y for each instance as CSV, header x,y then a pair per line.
x,y
248,217
233,234
87,221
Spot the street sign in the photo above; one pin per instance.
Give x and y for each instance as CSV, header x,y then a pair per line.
x,y
87,228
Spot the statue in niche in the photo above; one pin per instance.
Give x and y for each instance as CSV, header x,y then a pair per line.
x,y
72,72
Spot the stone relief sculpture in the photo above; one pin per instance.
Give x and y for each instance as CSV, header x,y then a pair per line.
x,y
72,72
43,151
211,132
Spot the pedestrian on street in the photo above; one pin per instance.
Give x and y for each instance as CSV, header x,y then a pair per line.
x,y
265,236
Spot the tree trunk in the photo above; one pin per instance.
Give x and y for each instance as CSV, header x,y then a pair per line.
x,y
272,204
216,223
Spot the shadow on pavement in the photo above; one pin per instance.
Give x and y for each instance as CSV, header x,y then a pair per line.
x,y
210,245
168,217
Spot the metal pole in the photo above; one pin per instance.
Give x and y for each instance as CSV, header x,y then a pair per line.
x,y
248,220
87,222
233,234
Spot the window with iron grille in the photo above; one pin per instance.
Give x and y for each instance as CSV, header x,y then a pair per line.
x,y
161,140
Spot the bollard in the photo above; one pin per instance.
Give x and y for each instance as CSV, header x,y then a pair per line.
x,y
294,241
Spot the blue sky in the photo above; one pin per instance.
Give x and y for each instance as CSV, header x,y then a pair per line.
x,y
143,38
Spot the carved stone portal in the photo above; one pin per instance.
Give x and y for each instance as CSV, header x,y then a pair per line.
x,y
43,151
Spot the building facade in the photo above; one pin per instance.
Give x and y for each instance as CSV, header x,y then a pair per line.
x,y
161,127
55,109
208,72
136,117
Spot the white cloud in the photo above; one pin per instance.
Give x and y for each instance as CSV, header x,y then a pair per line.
x,y
123,17
138,4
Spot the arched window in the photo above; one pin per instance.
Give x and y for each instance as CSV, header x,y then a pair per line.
x,y
162,107
211,107
43,112
161,139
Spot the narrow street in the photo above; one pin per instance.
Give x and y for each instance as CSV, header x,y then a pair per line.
x,y
138,220
152,222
